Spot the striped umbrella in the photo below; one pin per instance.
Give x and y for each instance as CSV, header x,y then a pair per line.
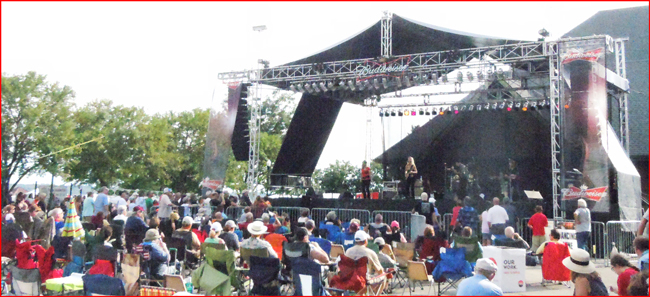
x,y
72,227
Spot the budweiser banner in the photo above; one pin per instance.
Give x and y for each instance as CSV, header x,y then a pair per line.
x,y
585,169
217,145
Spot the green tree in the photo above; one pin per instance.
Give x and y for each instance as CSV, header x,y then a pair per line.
x,y
338,177
187,144
36,122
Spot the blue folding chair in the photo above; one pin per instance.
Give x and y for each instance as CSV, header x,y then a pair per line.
x,y
324,244
451,269
332,231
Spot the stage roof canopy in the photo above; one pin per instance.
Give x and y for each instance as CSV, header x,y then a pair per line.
x,y
409,37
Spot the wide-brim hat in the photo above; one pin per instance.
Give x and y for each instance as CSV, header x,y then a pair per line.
x,y
257,228
152,234
579,262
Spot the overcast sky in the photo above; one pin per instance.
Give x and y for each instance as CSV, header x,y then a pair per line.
x,y
166,56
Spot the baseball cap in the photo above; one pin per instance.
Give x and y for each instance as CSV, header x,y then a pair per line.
x,y
380,241
486,264
361,236
138,208
394,224
216,227
188,221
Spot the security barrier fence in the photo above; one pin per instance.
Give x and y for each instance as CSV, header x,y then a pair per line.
x,y
402,217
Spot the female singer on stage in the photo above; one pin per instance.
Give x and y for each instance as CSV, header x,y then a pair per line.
x,y
410,171
365,180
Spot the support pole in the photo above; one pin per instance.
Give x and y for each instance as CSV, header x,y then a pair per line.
x,y
552,50
387,35
619,50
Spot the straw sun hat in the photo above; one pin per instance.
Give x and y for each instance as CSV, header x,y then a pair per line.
x,y
579,262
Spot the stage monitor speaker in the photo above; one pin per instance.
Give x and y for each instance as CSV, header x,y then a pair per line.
x,y
346,196
388,194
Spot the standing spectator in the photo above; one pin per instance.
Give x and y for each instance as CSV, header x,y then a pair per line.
x,y
481,283
159,253
122,200
455,210
511,211
643,227
538,222
365,180
257,229
242,218
582,224
21,204
141,201
583,274
497,218
245,200
641,249
121,214
625,271
427,209
101,202
467,216
135,223
88,207
8,214
148,202
39,201
37,230
485,228
164,207
229,236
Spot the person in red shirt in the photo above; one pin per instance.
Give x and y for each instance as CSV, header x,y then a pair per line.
x,y
454,216
365,180
537,222
625,271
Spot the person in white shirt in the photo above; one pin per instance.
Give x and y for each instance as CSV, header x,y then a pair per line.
x,y
121,214
497,218
140,201
164,207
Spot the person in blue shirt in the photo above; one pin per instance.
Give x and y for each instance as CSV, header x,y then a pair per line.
x,y
159,255
641,249
481,283
135,223
101,202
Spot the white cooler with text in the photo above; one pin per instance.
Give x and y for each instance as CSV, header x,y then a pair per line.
x,y
511,275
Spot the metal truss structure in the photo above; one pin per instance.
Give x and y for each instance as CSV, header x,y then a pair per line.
x,y
527,60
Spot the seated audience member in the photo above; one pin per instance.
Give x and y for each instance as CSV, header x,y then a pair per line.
x,y
266,219
244,226
639,284
107,235
386,261
394,234
330,219
467,216
512,240
59,221
481,283
256,230
583,274
192,243
315,252
281,228
98,220
135,223
347,238
430,234
121,214
215,231
242,218
304,216
377,228
641,249
8,214
360,250
229,237
554,236
159,253
471,243
625,271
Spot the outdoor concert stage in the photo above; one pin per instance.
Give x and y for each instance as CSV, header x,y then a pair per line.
x,y
552,106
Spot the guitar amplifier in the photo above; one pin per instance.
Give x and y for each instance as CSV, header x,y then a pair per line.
x,y
390,186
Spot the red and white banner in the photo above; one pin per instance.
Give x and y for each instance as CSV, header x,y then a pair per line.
x,y
575,193
592,55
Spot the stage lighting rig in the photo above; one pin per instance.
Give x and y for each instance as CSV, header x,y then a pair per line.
x,y
413,112
533,105
470,108
434,78
427,112
381,113
375,83
322,87
293,88
517,106
445,79
479,75
392,113
384,82
509,106
315,87
479,107
442,111
399,112
524,107
433,111
502,105
330,85
421,111
470,76
308,88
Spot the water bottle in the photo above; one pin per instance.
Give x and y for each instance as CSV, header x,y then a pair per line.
x,y
614,250
189,286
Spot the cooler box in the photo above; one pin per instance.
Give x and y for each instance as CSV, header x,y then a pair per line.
x,y
511,275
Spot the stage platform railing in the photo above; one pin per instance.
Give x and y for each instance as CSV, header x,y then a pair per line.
x,y
402,217
446,224
234,212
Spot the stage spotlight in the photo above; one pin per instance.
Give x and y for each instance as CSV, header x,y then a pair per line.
x,y
444,78
463,108
381,113
407,82
375,83
308,88
479,74
525,106
407,113
434,78
399,112
322,87
434,111
470,76
442,111
509,106
541,104
315,87
413,112
384,82
502,105
459,76
293,88
387,113
341,85
399,82
479,107
300,88
366,85
427,112
566,106
470,108
494,106
392,113
517,106
449,111
330,85
421,111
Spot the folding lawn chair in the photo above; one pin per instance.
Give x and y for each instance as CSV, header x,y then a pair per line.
x,y
264,272
25,282
451,269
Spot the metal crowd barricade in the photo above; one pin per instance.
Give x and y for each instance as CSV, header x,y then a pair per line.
x,y
402,217
525,232
319,214
345,215
292,212
622,234
598,238
234,212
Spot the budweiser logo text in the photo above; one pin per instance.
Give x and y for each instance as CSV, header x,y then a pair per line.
x,y
592,55
593,194
367,70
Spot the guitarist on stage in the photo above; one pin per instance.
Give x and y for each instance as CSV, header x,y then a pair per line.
x,y
410,171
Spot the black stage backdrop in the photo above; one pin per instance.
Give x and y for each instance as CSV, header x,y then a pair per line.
x,y
306,137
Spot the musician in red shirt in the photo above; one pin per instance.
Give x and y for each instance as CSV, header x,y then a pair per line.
x,y
365,180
